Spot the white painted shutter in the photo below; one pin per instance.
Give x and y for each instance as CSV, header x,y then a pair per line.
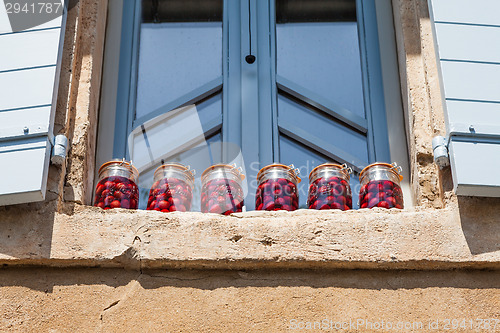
x,y
468,47
29,72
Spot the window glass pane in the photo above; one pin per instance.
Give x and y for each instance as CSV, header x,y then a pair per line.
x,y
180,51
322,53
323,126
209,110
174,60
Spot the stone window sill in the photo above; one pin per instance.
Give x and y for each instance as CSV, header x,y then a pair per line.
x,y
358,239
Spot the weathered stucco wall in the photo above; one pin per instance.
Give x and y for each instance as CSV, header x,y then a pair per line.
x,y
115,300
70,267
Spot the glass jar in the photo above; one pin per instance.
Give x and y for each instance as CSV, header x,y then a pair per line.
x,y
380,186
221,190
277,188
117,185
329,187
172,189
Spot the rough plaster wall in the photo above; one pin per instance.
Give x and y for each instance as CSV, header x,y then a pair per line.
x,y
81,123
113,300
421,99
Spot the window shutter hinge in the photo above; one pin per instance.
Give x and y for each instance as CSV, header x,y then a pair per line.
x,y
59,148
440,150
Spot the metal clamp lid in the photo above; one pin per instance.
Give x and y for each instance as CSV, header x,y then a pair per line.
x,y
185,168
398,169
295,170
347,170
393,167
122,163
291,169
238,171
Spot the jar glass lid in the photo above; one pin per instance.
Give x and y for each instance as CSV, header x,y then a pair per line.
x,y
228,167
178,166
122,163
342,168
292,171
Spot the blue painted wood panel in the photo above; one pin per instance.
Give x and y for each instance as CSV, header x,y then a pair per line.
x,y
29,70
475,167
478,114
471,81
467,11
5,27
27,88
13,122
23,170
29,49
467,44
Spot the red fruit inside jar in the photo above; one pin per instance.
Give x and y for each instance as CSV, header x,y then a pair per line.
x,y
277,194
170,195
381,193
222,196
116,192
329,193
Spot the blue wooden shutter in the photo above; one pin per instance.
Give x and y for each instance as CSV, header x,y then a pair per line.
x,y
468,48
29,71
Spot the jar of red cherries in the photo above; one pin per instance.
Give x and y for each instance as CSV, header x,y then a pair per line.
x,y
329,187
117,185
277,188
221,189
172,189
380,186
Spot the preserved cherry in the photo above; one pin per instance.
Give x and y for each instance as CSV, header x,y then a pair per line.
x,y
277,189
116,187
221,190
329,187
380,186
172,189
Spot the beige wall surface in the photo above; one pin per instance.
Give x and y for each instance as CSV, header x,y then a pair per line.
x,y
116,300
68,267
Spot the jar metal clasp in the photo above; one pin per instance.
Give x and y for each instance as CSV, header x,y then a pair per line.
x,y
397,168
294,169
192,172
346,168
